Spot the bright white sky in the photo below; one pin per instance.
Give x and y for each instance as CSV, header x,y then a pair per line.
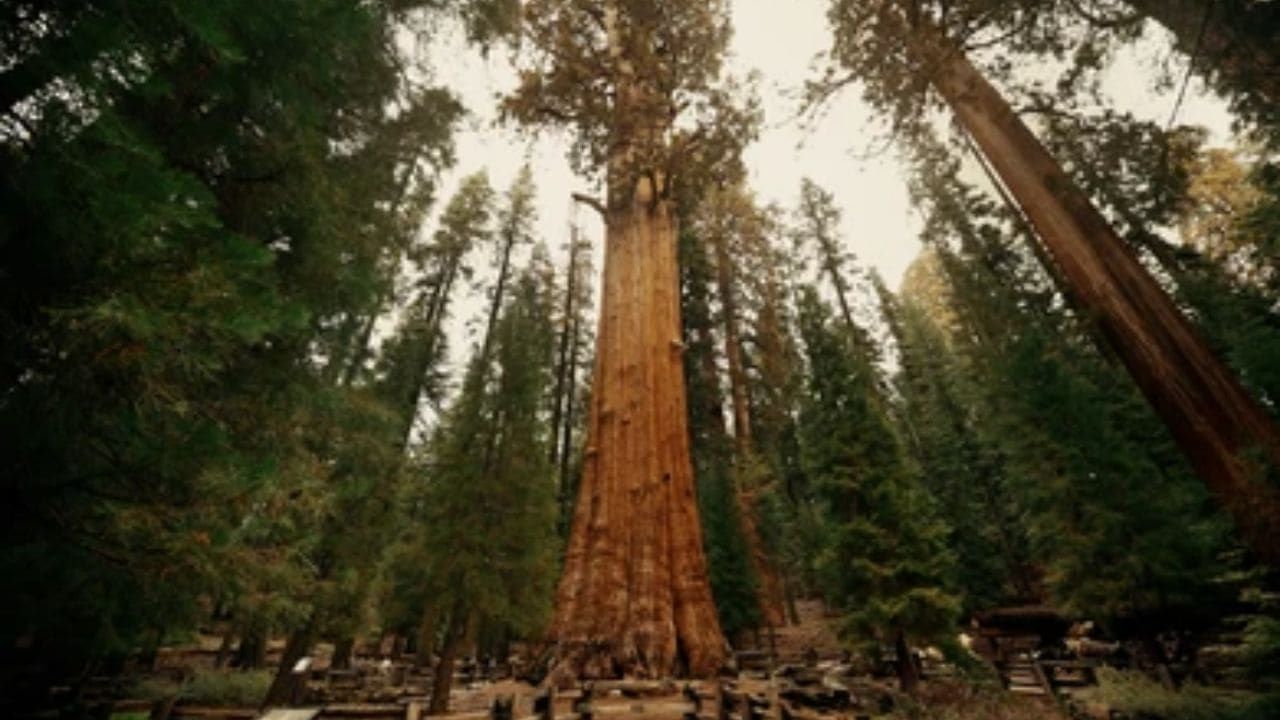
x,y
778,39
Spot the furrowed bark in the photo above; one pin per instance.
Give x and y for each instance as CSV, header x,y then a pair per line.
x,y
1223,431
635,599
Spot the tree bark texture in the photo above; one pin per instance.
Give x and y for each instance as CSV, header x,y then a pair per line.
x,y
635,599
1222,430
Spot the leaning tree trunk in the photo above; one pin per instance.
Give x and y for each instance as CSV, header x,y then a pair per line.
x,y
284,685
1225,434
635,599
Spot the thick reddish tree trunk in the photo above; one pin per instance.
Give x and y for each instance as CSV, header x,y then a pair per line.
x,y
1221,429
635,599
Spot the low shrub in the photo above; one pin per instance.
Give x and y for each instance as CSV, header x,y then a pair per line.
x,y
230,688
1137,695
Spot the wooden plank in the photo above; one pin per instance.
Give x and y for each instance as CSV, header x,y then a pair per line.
x,y
213,713
1070,664
368,711
1045,683
292,714
413,711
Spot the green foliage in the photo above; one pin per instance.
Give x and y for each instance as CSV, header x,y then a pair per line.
x,y
959,466
733,581
218,688
481,534
411,360
886,563
1136,694
1262,648
657,66
201,203
1115,517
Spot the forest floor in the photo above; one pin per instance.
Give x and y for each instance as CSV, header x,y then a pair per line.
x,y
815,639
816,634
808,667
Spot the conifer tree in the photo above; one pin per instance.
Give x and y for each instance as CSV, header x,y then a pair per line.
x,y
1219,426
734,227
483,510
245,179
634,598
886,565
1081,450
411,358
956,463
734,583
567,395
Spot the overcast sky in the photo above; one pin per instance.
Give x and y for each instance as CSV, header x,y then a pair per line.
x,y
779,40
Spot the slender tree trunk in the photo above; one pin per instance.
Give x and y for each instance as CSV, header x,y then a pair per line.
x,y
359,353
499,289
1224,432
788,589
905,664
342,651
725,283
837,281
442,682
566,440
224,649
635,598
437,304
568,325
427,629
284,686
252,652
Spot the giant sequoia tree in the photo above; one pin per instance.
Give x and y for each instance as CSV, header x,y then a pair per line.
x,y
632,79
903,47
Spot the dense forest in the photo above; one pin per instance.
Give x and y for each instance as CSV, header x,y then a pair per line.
x,y
282,411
